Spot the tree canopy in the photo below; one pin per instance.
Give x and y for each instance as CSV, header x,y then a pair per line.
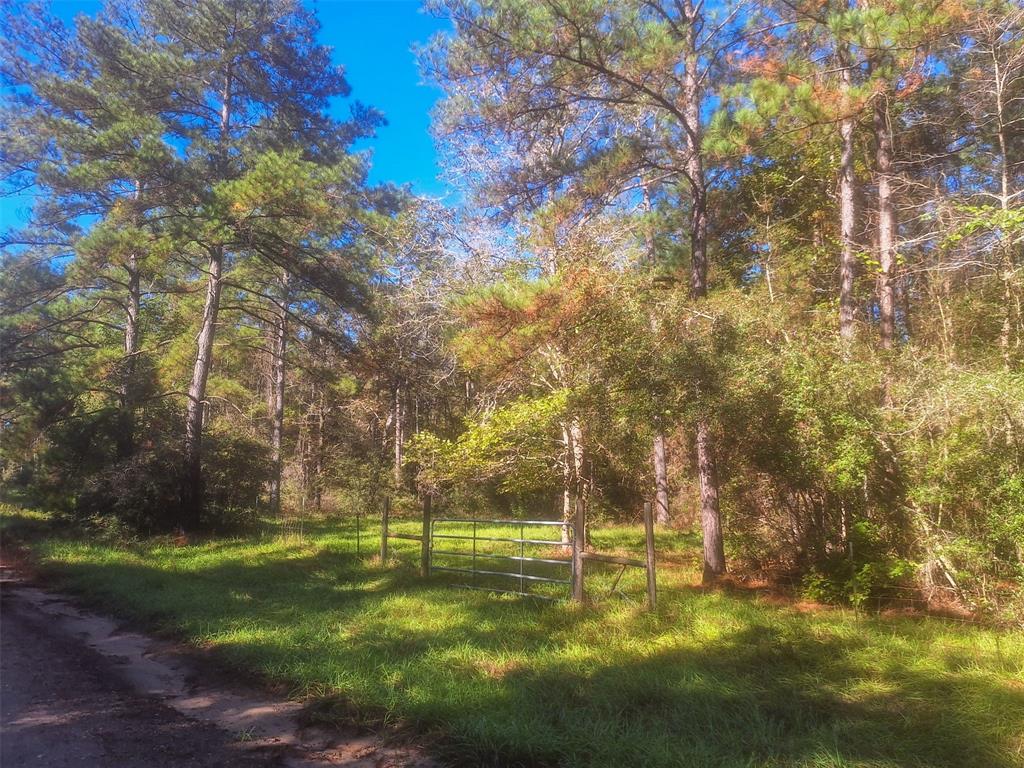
x,y
760,263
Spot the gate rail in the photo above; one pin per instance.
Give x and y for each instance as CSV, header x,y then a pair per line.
x,y
522,559
576,542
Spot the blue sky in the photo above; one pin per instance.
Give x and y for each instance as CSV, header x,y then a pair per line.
x,y
373,40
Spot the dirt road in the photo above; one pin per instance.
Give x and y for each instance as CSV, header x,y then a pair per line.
x,y
77,689
61,704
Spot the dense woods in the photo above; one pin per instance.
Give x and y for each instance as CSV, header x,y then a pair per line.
x,y
759,263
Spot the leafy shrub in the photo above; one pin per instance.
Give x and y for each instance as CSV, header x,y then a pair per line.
x,y
864,574
236,470
142,494
138,495
848,481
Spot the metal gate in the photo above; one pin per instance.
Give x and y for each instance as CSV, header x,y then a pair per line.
x,y
444,543
464,551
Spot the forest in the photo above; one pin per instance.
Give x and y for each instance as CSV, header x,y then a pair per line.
x,y
734,285
757,262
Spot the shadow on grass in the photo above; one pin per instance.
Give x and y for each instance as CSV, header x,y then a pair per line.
x,y
758,698
520,683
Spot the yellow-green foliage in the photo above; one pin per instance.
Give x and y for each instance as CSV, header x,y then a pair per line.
x,y
712,679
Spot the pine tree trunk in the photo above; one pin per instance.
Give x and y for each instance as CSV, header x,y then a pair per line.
x,y
710,515
277,376
578,484
192,496
131,326
847,204
572,473
710,518
698,228
567,512
304,451
318,459
886,227
399,426
568,487
660,480
192,488
576,431
132,334
658,456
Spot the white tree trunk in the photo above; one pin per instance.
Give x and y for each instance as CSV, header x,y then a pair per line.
x,y
278,350
192,502
661,511
847,203
886,226
399,425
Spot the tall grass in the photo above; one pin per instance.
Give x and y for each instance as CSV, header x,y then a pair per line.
x,y
711,679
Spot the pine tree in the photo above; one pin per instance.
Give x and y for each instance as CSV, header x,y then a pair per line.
x,y
530,80
247,78
90,140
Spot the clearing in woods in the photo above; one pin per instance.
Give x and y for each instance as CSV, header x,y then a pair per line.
x,y
712,679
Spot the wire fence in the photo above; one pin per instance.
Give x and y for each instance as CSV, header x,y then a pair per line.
x,y
609,581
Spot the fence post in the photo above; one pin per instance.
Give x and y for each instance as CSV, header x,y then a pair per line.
x,y
652,584
578,540
384,530
425,551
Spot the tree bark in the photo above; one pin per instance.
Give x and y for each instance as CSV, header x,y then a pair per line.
x,y
572,473
192,490
132,334
660,480
131,326
399,426
192,501
710,516
847,203
568,509
661,510
886,225
318,461
278,348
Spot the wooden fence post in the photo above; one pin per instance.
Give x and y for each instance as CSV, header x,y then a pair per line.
x,y
425,551
652,584
384,530
578,542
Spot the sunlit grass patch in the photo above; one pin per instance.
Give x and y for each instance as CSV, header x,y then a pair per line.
x,y
713,679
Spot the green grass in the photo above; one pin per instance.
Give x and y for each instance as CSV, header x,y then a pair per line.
x,y
713,679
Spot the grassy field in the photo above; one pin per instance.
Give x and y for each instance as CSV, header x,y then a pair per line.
x,y
713,679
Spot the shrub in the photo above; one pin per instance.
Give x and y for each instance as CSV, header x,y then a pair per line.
x,y
142,494
138,495
236,470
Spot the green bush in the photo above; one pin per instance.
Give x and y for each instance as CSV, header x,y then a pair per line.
x,y
847,469
142,494
139,495
236,470
862,575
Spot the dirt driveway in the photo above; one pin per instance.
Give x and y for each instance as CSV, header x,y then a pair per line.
x,y
77,689
61,704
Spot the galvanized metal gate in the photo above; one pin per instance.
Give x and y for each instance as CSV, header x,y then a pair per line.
x,y
444,542
457,542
